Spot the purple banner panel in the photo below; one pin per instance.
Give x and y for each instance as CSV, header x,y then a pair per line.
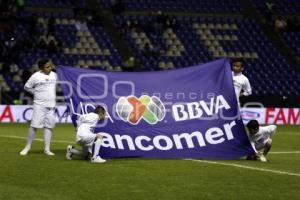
x,y
184,113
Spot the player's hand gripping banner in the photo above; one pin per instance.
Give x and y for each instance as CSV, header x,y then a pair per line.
x,y
184,113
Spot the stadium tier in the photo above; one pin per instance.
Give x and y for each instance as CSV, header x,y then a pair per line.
x,y
54,3
292,38
282,7
174,34
178,5
194,40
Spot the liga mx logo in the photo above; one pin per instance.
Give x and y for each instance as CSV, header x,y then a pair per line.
x,y
132,109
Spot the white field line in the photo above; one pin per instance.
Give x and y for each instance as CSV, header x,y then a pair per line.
x,y
67,142
36,139
246,167
284,152
201,161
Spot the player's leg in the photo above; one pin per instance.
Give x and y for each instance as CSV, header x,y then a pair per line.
x,y
89,140
86,140
36,122
267,146
30,138
263,149
97,144
47,141
87,152
259,154
72,151
268,142
49,124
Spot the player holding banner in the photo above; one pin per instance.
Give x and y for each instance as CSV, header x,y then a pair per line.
x,y
42,85
241,83
261,139
86,138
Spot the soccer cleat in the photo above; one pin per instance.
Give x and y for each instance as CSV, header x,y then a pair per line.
x,y
98,159
262,158
24,152
69,153
49,153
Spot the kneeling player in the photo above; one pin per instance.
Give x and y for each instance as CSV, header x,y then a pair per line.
x,y
86,138
261,139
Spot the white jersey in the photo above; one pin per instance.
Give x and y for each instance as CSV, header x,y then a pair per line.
x,y
259,139
86,123
240,83
42,87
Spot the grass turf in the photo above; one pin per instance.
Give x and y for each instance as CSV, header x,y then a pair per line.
x,y
37,176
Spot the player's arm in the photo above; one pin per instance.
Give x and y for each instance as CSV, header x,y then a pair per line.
x,y
29,85
246,89
30,90
253,146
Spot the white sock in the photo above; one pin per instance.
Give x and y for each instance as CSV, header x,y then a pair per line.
x,y
86,150
30,137
76,152
47,138
97,144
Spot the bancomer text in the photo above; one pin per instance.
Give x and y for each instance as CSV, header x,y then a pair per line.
x,y
196,139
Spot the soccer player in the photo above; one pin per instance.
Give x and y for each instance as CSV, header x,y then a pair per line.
x,y
241,83
86,138
42,85
261,139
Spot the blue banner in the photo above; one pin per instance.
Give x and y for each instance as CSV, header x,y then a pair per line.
x,y
183,113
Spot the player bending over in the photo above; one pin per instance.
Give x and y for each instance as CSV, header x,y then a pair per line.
x,y
261,139
86,138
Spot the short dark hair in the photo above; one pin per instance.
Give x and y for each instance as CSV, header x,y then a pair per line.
x,y
253,124
99,110
241,60
41,63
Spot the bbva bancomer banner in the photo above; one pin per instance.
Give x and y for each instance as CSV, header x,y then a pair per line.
x,y
183,113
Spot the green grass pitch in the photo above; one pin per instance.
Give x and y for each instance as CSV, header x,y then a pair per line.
x,y
39,177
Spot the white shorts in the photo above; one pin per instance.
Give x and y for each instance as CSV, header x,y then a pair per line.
x,y
43,117
86,139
